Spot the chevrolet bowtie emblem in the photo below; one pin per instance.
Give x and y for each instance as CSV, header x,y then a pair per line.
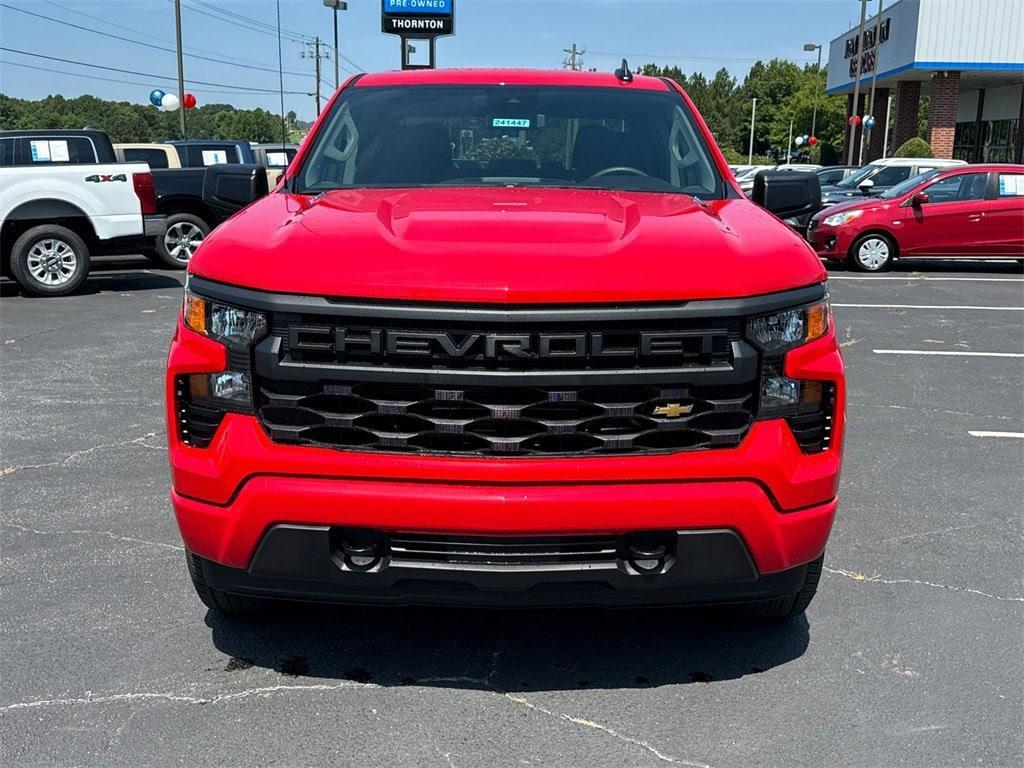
x,y
672,410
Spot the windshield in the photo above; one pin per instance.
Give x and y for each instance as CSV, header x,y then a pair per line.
x,y
483,135
855,178
905,186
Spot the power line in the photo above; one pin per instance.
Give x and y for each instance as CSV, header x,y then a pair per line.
x,y
250,20
91,76
250,27
653,56
136,31
138,42
239,88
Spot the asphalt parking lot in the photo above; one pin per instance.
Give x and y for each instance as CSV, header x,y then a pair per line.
x,y
910,655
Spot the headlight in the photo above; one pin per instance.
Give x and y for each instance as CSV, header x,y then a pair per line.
x,y
229,325
784,330
838,219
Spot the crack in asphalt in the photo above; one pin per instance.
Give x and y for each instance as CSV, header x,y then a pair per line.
x,y
877,579
84,532
90,698
140,441
39,333
522,700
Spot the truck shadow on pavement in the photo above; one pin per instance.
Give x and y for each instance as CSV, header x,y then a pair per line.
x,y
507,651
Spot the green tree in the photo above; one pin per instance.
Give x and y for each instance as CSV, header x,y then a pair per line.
x,y
915,147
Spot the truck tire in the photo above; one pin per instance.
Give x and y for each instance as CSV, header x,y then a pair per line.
x,y
788,606
873,252
49,260
219,600
185,232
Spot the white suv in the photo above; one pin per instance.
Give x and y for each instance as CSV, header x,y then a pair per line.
x,y
879,175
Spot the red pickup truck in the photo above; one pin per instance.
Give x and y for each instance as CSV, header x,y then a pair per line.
x,y
507,338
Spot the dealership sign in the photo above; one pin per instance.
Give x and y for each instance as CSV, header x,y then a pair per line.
x,y
420,19
873,38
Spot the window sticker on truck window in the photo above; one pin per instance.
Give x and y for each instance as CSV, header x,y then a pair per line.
x,y
277,159
59,152
1011,185
40,151
214,156
510,122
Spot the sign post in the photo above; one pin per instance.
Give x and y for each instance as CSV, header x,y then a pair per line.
x,y
418,20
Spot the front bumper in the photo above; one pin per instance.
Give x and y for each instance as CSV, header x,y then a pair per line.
x,y
829,242
239,493
308,563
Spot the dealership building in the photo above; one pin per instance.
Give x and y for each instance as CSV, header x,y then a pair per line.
x,y
966,56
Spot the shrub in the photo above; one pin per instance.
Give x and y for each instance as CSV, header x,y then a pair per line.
x,y
914,147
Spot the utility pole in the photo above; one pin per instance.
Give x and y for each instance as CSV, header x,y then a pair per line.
x,y
888,119
866,135
817,86
574,60
181,69
316,55
789,146
336,5
856,83
753,114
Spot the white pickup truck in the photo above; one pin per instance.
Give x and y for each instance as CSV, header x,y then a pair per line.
x,y
64,198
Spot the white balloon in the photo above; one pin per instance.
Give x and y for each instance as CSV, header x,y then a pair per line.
x,y
169,102
799,140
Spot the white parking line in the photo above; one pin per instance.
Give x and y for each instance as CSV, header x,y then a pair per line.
x,y
982,433
942,353
928,306
926,279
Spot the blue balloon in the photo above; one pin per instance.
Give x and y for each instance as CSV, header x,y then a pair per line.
x,y
869,122
155,97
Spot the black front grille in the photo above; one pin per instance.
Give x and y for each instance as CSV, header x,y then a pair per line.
x,y
502,551
505,421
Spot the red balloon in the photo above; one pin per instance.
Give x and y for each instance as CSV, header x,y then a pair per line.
x,y
812,140
190,101
854,120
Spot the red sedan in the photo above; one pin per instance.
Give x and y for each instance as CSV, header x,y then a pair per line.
x,y
961,212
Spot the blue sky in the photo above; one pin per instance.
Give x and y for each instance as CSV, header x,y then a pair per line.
x,y
701,35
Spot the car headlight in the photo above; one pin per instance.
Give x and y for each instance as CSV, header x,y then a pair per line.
x,y
839,219
229,325
790,328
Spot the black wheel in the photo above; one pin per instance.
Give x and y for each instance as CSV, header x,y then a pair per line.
x,y
49,260
873,252
185,233
219,600
788,606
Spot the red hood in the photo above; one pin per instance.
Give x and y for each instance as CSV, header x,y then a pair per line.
x,y
513,245
863,203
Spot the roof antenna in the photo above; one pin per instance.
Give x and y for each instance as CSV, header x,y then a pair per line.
x,y
623,73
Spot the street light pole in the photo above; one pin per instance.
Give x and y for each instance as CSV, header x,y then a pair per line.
x,y
336,5
865,136
817,87
856,83
181,69
753,113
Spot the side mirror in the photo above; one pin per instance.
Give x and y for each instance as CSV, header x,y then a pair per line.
x,y
230,187
866,186
919,199
787,194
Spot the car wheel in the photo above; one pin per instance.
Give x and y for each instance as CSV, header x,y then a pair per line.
x,y
873,253
49,260
185,232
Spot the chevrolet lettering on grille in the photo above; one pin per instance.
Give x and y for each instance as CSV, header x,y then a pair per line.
x,y
343,341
